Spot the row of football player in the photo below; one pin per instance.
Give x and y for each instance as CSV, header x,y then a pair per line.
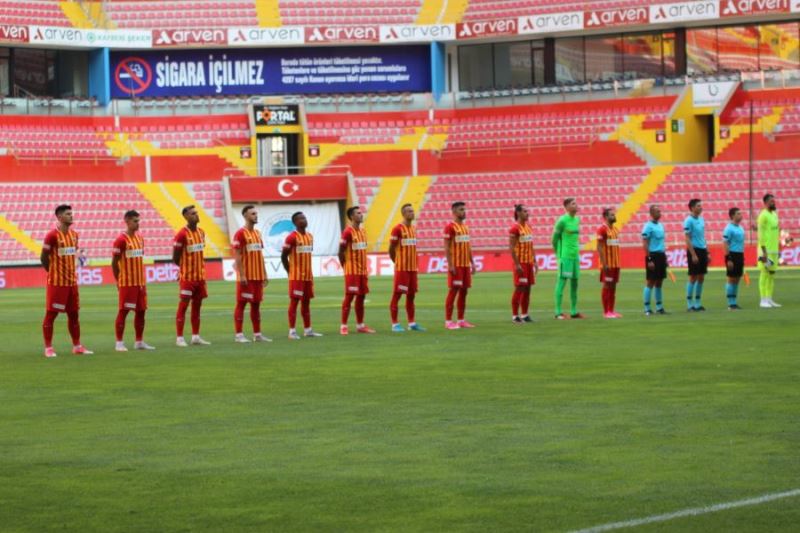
x,y
61,246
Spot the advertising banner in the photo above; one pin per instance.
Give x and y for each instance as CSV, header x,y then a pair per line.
x,y
275,224
276,115
270,71
14,33
288,189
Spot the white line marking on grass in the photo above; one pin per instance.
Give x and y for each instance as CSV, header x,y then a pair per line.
x,y
696,511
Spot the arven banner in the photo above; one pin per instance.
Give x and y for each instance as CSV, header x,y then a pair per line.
x,y
270,71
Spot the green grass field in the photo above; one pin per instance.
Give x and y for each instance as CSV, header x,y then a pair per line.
x,y
554,426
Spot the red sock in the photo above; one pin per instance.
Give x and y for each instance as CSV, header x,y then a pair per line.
x,y
293,312
47,328
394,306
255,317
525,301
74,327
196,316
612,297
346,303
238,316
138,325
180,316
448,304
410,309
461,303
305,310
606,298
360,308
515,303
119,325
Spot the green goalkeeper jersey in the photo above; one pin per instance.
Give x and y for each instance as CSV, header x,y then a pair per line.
x,y
769,232
566,237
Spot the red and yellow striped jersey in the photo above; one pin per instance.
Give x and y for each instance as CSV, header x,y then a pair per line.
x,y
524,246
130,251
610,238
458,241
354,242
63,250
405,259
249,243
301,246
192,243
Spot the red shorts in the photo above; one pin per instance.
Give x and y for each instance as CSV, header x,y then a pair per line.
x,y
133,298
196,290
406,282
527,278
610,276
252,291
356,284
461,280
62,299
299,289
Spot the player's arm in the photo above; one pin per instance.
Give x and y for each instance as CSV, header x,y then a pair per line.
x,y
688,238
287,249
239,262
47,246
556,238
116,255
471,260
177,248
726,246
762,240
394,240
646,248
448,235
513,239
601,249
343,247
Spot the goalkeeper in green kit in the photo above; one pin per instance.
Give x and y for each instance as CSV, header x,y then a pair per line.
x,y
566,245
768,251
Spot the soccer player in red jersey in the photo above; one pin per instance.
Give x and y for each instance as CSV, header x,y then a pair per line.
x,y
58,257
403,252
460,266
248,252
187,253
525,269
296,260
608,252
127,264
353,258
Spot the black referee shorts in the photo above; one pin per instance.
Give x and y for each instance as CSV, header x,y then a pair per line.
x,y
737,270
659,270
701,267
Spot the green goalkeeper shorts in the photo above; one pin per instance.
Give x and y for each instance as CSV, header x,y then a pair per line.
x,y
569,268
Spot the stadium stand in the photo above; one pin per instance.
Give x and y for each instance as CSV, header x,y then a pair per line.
x,y
196,14
39,12
355,12
502,9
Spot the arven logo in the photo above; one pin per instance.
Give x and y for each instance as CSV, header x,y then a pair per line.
x,y
283,35
417,33
14,33
472,30
163,38
551,22
342,34
685,11
616,17
740,8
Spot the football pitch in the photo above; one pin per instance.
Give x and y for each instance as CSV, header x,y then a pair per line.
x,y
552,426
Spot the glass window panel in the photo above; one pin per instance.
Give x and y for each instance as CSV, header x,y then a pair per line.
x,y
538,62
778,46
475,67
701,51
668,51
642,56
512,65
738,48
569,60
603,58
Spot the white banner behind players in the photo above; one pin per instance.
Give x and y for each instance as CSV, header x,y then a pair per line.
x,y
275,223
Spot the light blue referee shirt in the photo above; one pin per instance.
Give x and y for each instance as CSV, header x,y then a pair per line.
x,y
695,228
654,233
734,236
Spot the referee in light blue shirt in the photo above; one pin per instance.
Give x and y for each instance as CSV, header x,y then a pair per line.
x,y
655,260
696,254
733,239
